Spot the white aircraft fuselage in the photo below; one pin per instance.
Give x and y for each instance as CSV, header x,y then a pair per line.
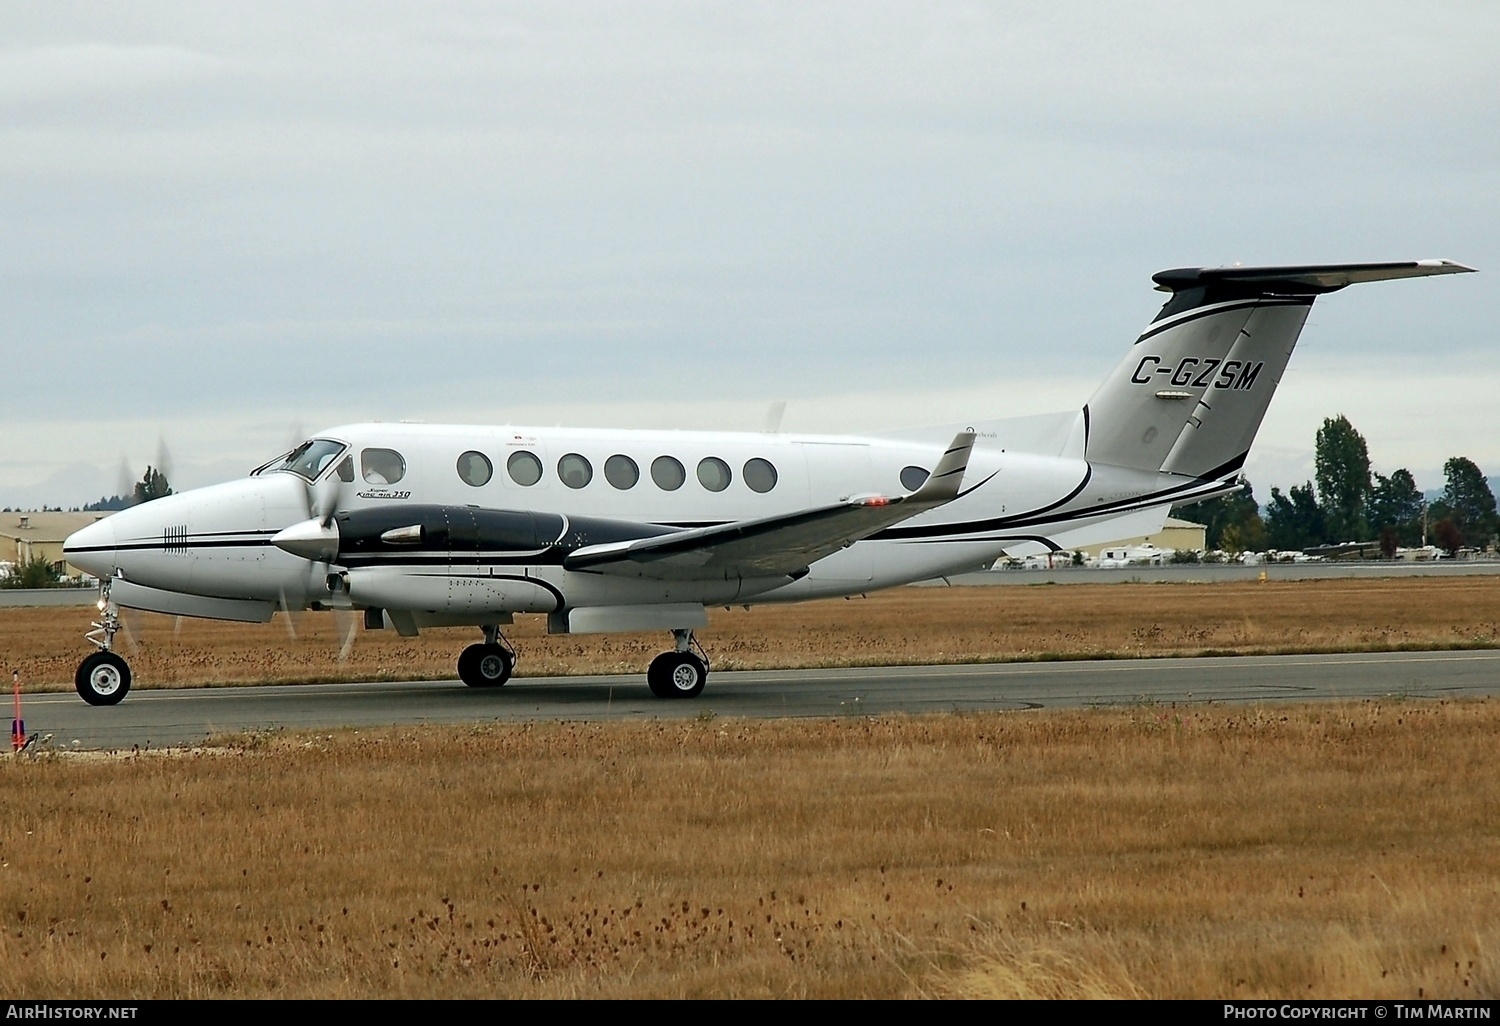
x,y
216,542
424,525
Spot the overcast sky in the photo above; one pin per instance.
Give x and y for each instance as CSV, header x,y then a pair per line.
x,y
221,225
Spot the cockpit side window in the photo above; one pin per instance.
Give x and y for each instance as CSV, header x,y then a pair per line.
x,y
309,459
381,466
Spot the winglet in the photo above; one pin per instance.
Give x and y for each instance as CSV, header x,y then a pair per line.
x,y
947,477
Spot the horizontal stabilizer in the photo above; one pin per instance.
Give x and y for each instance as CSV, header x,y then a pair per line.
x,y
1301,279
777,546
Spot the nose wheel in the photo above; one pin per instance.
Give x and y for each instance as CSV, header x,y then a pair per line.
x,y
102,679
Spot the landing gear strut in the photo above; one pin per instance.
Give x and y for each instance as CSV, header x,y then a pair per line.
x,y
103,678
487,665
680,673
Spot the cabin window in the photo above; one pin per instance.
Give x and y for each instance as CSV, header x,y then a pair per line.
x,y
713,474
524,468
667,473
759,474
474,468
912,478
346,470
574,471
381,466
621,472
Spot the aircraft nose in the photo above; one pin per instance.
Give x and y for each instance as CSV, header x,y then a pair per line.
x,y
92,549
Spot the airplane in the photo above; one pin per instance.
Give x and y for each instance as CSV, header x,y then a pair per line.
x,y
420,525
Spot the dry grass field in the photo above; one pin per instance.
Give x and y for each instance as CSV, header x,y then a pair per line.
x,y
901,626
1289,851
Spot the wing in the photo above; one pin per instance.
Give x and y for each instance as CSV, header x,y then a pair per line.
x,y
783,545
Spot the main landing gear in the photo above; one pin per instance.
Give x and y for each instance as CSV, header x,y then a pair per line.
x,y
680,673
103,678
487,665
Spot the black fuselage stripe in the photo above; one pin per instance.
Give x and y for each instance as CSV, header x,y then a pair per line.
x,y
1229,307
996,523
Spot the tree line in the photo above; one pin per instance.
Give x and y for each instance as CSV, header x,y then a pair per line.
x,y
1350,503
39,572
153,485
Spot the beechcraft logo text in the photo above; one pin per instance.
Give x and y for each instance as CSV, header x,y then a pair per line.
x,y
1190,370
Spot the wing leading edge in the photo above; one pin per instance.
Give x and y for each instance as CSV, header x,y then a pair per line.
x,y
779,546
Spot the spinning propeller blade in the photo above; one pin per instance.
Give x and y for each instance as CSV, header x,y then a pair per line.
x,y
130,626
347,621
163,459
288,618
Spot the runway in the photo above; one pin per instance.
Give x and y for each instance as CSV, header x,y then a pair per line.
x,y
166,718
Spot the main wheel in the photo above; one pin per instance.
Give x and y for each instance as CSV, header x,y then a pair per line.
x,y
102,679
485,666
677,675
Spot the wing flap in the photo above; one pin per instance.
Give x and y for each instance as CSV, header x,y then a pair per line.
x,y
784,545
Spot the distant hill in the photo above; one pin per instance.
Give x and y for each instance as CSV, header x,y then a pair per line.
x,y
1433,494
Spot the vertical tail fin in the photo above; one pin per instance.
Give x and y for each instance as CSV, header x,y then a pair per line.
x,y
1193,391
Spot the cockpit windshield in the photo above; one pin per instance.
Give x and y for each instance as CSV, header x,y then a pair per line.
x,y
309,459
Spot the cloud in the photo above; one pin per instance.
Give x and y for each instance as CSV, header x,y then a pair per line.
x,y
221,216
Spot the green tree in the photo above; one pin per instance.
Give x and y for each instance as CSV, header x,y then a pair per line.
x,y
1294,520
33,572
1389,542
1231,522
1448,536
1342,467
1395,503
1469,500
152,486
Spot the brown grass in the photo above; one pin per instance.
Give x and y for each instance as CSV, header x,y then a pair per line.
x,y
902,626
1336,850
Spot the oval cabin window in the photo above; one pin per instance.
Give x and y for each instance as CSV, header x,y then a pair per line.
x,y
524,468
759,474
713,474
475,469
667,473
574,471
621,472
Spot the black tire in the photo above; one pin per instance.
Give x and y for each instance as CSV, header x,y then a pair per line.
x,y
677,675
485,666
102,679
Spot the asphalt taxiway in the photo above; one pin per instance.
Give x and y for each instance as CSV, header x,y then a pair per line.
x,y
150,718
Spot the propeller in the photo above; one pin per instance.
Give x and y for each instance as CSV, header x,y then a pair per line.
x,y
163,458
126,479
317,538
347,622
288,618
130,626
323,498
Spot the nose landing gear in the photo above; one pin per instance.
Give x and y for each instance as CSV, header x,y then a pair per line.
x,y
104,677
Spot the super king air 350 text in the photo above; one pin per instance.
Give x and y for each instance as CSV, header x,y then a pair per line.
x,y
420,526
